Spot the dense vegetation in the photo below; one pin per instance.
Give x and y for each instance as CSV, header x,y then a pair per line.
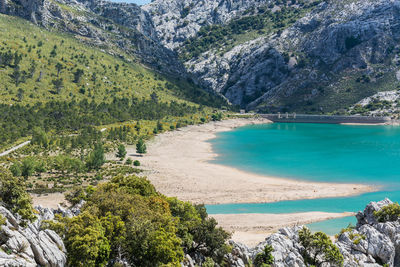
x,y
261,21
18,120
127,220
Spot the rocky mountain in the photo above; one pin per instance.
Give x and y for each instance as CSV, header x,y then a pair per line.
x,y
314,56
263,55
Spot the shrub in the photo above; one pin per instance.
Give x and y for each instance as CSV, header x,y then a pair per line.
x,y
128,162
388,213
318,248
136,163
96,158
265,258
14,196
121,153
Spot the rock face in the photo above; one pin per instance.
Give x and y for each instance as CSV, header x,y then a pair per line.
x,y
303,66
177,20
370,243
31,245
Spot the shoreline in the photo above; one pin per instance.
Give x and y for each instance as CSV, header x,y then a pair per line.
x,y
178,164
252,228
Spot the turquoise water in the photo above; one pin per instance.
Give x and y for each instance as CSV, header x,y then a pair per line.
x,y
332,227
314,152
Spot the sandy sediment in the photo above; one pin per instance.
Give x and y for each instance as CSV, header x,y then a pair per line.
x,y
251,229
179,164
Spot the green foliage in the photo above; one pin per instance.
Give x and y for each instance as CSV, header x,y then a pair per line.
x,y
319,249
3,220
217,117
265,258
76,195
136,163
66,163
128,161
66,85
27,167
388,213
121,153
134,185
16,169
96,158
14,196
208,262
207,235
141,147
39,137
17,120
86,242
126,219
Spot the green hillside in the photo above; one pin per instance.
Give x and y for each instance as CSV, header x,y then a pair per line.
x,y
38,66
57,83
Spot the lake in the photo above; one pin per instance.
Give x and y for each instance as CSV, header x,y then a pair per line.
x,y
314,152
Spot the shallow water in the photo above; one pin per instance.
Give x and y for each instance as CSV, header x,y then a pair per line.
x,y
314,152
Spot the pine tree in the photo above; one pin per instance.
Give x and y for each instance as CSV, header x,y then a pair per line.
x,y
121,153
141,147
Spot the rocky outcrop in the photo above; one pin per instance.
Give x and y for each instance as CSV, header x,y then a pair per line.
x,y
379,104
30,245
307,66
178,20
370,243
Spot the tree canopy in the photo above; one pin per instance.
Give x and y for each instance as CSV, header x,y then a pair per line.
x,y
126,219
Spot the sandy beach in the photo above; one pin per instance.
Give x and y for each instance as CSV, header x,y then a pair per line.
x,y
178,164
251,229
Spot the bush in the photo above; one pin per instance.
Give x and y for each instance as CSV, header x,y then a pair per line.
x,y
265,258
16,169
388,213
318,249
128,162
136,163
121,153
96,158
14,196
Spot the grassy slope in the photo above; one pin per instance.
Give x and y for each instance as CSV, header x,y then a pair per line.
x,y
114,76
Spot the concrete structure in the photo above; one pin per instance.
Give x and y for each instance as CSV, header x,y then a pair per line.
x,y
303,118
